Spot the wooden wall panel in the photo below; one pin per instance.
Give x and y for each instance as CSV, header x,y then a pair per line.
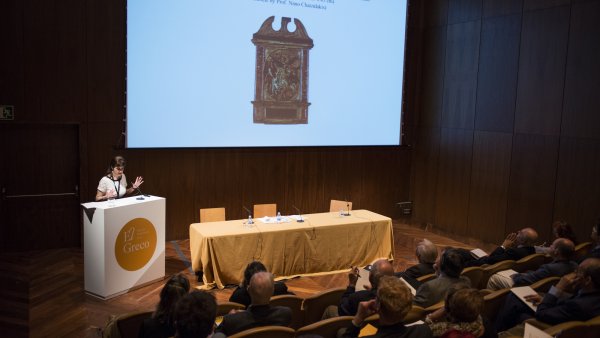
x,y
580,116
532,183
436,13
424,171
460,78
11,60
529,5
342,176
578,188
492,8
497,76
454,175
464,10
489,185
305,181
541,71
432,82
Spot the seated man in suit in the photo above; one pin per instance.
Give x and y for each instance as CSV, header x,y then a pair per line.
x,y
351,298
393,303
195,315
575,297
241,295
426,253
561,251
515,246
448,267
259,313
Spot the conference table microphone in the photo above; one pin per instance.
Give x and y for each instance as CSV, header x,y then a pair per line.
x,y
347,208
250,221
300,219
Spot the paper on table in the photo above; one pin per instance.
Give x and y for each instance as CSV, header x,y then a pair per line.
x,y
273,220
297,217
523,291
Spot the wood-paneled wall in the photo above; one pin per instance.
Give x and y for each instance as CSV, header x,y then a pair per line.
x,y
63,62
507,130
501,117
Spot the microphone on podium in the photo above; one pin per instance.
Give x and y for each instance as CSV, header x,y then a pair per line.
x,y
300,219
141,197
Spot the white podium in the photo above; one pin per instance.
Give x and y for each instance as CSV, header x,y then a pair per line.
x,y
123,244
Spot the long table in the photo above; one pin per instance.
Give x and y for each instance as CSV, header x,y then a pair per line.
x,y
323,243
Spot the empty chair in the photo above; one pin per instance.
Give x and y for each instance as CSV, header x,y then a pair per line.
x,y
315,305
336,206
295,304
212,215
326,328
262,210
528,263
266,332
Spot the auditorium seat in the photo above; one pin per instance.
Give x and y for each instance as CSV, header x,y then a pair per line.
x,y
315,305
489,270
266,332
262,210
223,308
426,278
212,215
326,328
529,263
474,274
336,206
295,304
581,250
129,324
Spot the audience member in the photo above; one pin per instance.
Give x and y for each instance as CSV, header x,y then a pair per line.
x,y
241,295
259,313
426,253
461,313
575,297
195,315
560,229
561,250
515,246
393,302
595,252
448,267
351,298
161,324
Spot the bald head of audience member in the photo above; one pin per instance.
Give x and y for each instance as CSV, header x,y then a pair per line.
x,y
562,249
526,237
426,252
589,272
380,268
261,288
395,300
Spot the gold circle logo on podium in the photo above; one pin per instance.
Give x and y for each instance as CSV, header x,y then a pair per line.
x,y
135,244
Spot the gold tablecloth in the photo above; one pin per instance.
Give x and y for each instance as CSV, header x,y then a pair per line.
x,y
323,243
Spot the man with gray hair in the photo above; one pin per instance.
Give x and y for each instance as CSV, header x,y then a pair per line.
x,y
561,251
426,253
259,313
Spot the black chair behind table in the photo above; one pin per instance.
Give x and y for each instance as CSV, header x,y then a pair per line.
x,y
129,324
295,304
266,332
326,328
315,305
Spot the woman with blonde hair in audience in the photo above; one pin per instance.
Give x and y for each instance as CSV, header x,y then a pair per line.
x,y
460,316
